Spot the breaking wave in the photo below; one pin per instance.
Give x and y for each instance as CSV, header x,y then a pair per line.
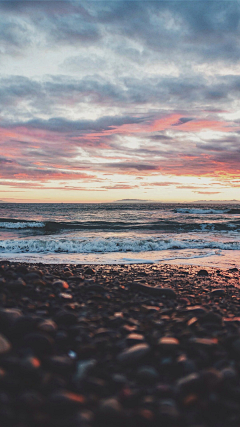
x,y
107,245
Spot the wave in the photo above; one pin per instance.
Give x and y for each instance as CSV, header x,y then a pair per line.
x,y
107,245
161,225
203,211
17,224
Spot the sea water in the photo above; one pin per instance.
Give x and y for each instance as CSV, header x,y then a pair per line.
x,y
110,233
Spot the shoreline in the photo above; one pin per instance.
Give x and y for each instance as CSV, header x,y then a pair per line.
x,y
119,345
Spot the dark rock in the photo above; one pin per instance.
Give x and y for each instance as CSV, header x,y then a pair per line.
x,y
41,344
236,346
189,383
195,310
211,317
61,284
89,271
168,344
8,317
134,339
48,326
147,375
60,364
133,354
5,345
109,412
166,292
217,292
66,318
83,368
62,402
202,273
16,285
233,270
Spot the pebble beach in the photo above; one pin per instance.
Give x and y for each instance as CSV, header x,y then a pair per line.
x,y
119,345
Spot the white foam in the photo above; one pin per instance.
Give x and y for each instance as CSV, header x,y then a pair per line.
x,y
201,211
21,225
108,245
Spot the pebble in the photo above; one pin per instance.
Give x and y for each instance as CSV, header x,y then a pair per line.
x,y
168,344
5,345
147,375
41,344
134,339
202,273
133,354
64,401
217,293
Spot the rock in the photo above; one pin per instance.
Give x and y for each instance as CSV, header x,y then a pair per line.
x,y
60,364
168,344
61,284
204,343
133,354
8,317
109,412
202,273
83,367
48,326
217,292
5,345
89,271
211,317
195,310
16,285
134,339
236,346
233,270
66,318
64,402
41,344
189,383
32,276
147,375
166,292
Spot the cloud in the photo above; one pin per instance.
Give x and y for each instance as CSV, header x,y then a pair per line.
x,y
130,88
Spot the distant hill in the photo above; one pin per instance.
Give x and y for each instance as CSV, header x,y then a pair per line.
x,y
133,201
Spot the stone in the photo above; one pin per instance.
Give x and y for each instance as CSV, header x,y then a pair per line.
x,y
5,345
217,292
66,318
134,339
16,285
41,344
89,271
211,317
48,326
168,344
147,375
157,291
133,354
202,273
61,284
60,364
64,402
83,367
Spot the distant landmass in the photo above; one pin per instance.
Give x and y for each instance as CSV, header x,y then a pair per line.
x,y
217,201
133,201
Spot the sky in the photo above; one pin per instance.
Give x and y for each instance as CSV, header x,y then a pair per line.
x,y
110,100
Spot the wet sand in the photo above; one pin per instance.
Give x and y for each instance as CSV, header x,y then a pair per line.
x,y
119,345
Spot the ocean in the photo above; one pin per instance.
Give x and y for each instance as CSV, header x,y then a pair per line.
x,y
121,233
